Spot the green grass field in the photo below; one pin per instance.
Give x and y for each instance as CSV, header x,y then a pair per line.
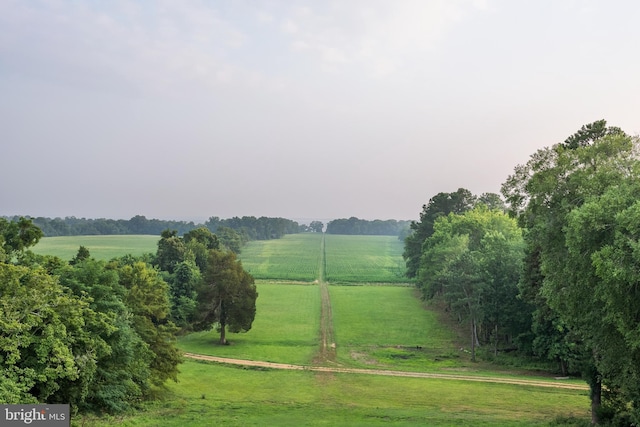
x,y
211,394
364,259
294,257
100,247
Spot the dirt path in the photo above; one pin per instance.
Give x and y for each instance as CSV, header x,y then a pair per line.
x,y
327,351
501,380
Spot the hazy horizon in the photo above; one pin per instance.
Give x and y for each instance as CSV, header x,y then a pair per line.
x,y
309,109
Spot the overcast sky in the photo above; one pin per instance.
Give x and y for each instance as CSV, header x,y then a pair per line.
x,y
187,109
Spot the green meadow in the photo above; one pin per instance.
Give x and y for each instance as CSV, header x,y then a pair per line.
x,y
213,394
100,247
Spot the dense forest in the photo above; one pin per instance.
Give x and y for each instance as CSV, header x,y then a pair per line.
x,y
553,272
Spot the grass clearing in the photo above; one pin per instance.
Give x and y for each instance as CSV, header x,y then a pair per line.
x,y
285,330
364,259
387,326
100,247
210,394
293,257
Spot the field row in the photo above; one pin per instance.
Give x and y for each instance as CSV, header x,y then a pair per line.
x,y
348,259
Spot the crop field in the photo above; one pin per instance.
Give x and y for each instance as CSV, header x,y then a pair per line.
x,y
364,259
294,257
100,247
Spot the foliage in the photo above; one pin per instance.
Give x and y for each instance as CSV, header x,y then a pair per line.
x,y
148,300
356,226
439,205
472,261
571,199
227,296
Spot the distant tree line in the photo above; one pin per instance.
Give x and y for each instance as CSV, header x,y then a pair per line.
x,y
249,227
353,225
552,272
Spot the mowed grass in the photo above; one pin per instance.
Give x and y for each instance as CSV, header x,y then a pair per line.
x,y
210,394
100,247
388,327
364,259
286,328
294,257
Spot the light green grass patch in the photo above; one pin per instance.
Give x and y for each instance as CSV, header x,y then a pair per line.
x,y
364,259
209,394
286,328
100,247
293,257
388,326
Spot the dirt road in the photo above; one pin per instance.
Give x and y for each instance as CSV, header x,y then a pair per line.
x,y
271,365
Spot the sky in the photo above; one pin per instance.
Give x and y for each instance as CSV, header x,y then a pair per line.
x,y
186,109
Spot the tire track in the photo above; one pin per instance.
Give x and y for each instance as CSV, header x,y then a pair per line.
x,y
327,351
388,373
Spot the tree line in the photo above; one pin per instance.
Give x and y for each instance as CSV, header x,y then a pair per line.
x,y
101,335
553,270
249,227
353,225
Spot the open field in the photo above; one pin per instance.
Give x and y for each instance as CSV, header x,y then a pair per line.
x,y
364,259
372,327
293,257
100,247
212,394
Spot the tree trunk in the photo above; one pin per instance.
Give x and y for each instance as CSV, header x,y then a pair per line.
x,y
495,342
473,339
596,400
223,334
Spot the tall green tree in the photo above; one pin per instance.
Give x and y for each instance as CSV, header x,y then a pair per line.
x,y
547,194
148,300
473,262
227,295
439,205
48,351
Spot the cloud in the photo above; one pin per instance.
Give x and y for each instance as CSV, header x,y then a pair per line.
x,y
163,47
379,36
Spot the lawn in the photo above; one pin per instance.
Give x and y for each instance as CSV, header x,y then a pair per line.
x,y
100,247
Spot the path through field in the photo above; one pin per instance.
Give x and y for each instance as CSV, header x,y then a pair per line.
x,y
502,380
327,351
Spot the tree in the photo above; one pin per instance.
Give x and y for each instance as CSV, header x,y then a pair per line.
x,y
17,236
473,261
48,350
148,300
227,295
316,226
439,205
171,251
548,194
